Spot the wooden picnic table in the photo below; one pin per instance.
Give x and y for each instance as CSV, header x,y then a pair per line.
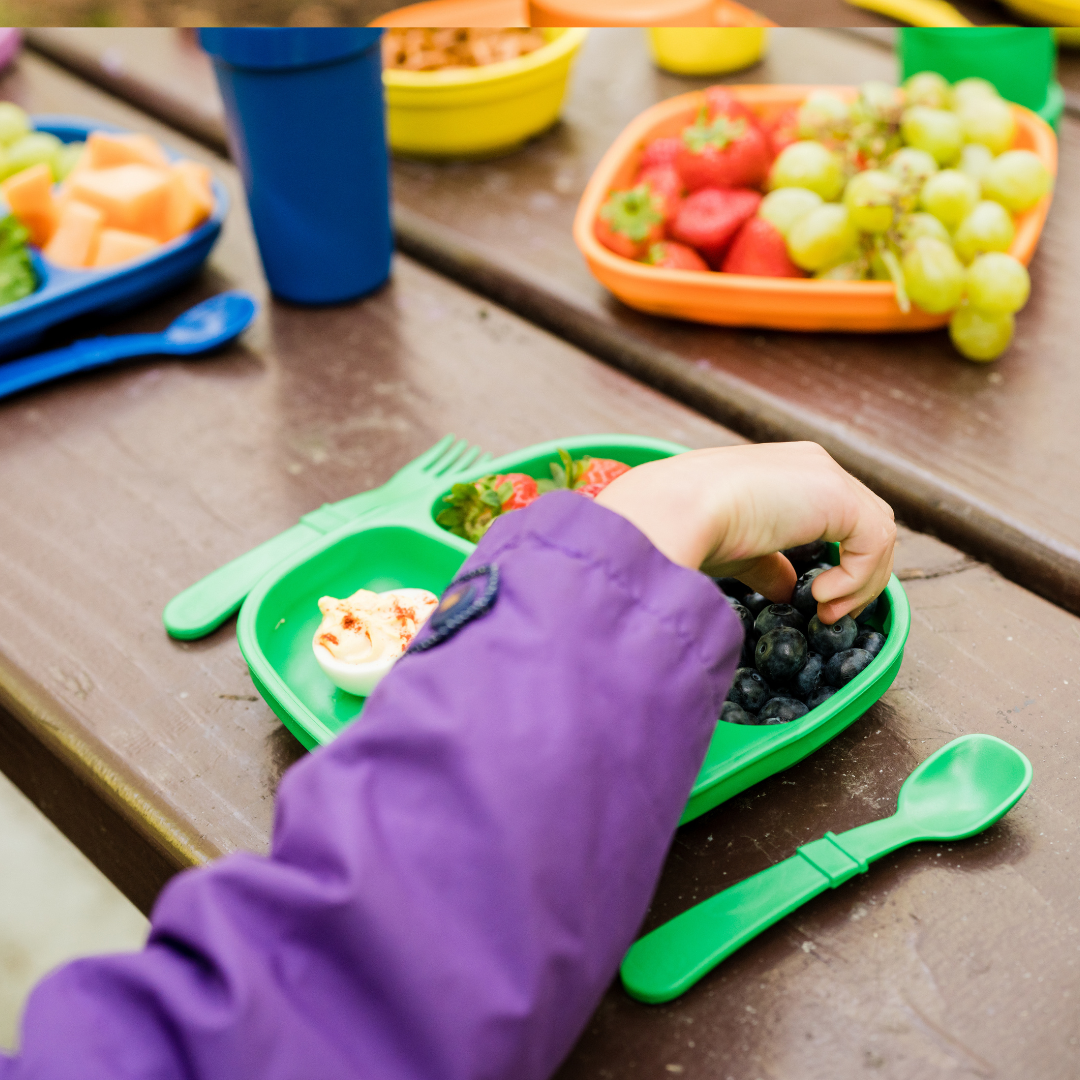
x,y
123,486
981,456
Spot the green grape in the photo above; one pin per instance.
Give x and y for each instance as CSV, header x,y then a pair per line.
x,y
975,160
989,227
871,198
808,164
14,123
950,196
912,168
928,88
988,121
934,130
978,335
973,89
32,149
998,284
934,276
823,113
822,238
911,226
784,206
67,158
1017,179
853,270
878,102
878,270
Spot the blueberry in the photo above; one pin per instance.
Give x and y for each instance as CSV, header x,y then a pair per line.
x,y
755,602
822,693
803,599
828,640
809,679
867,611
736,714
732,587
782,710
871,641
844,666
745,617
811,553
748,690
779,615
780,655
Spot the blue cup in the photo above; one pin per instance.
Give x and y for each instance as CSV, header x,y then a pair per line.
x,y
307,130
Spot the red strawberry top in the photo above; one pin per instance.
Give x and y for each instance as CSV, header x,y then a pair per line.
x,y
660,152
522,490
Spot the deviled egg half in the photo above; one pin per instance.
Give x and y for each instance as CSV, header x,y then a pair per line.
x,y
361,637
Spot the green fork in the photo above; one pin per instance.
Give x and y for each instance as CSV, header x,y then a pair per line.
x,y
203,607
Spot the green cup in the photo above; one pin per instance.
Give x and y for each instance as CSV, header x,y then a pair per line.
x,y
1018,60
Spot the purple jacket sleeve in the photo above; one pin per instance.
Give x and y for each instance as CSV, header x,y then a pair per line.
x,y
453,882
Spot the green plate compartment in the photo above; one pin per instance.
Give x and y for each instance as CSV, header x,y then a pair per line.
x,y
402,546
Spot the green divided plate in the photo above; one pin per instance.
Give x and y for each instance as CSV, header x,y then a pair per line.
x,y
402,546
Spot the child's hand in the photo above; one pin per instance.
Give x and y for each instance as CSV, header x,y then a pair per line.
x,y
730,510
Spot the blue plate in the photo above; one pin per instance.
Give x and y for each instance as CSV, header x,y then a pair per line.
x,y
63,294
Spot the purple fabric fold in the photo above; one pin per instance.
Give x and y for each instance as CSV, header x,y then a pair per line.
x,y
453,882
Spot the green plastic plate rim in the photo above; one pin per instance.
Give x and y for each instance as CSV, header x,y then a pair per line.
x,y
764,750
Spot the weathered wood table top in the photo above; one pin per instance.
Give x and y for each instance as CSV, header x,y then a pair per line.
x,y
984,457
120,488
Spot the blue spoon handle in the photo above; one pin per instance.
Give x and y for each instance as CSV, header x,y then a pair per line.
x,y
16,375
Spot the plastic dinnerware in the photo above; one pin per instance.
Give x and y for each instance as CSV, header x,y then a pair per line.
x,y
707,50
743,300
305,119
200,329
957,792
481,111
620,12
203,607
401,545
64,294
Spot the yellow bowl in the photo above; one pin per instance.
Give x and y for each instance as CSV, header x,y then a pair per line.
x,y
706,50
482,111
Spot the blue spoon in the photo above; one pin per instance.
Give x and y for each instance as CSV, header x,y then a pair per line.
x,y
201,328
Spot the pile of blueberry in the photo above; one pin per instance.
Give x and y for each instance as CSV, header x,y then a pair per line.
x,y
792,661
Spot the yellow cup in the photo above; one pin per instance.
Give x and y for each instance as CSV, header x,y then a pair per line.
x,y
481,111
706,50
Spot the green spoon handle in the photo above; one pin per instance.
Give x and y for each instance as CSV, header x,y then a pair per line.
x,y
666,963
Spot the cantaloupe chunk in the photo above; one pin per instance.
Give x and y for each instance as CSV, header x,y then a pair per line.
x,y
29,196
134,198
117,246
190,199
104,150
74,243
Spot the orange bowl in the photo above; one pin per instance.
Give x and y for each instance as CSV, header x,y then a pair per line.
x,y
742,300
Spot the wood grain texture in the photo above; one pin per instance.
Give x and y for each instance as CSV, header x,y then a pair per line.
x,y
980,457
123,487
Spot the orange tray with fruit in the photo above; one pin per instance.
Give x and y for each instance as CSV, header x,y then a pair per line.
x,y
784,303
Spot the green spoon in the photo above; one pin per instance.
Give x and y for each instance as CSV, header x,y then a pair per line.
x,y
957,792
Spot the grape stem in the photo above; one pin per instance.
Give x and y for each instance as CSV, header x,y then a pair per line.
x,y
892,264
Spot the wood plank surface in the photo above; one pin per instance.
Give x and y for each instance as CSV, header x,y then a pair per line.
x,y
121,487
982,457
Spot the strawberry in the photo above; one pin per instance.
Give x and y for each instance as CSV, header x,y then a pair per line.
x,y
660,152
675,256
473,507
709,219
588,475
759,249
630,222
665,183
726,152
719,101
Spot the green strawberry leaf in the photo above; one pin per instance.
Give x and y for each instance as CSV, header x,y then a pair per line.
x,y
717,133
632,213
